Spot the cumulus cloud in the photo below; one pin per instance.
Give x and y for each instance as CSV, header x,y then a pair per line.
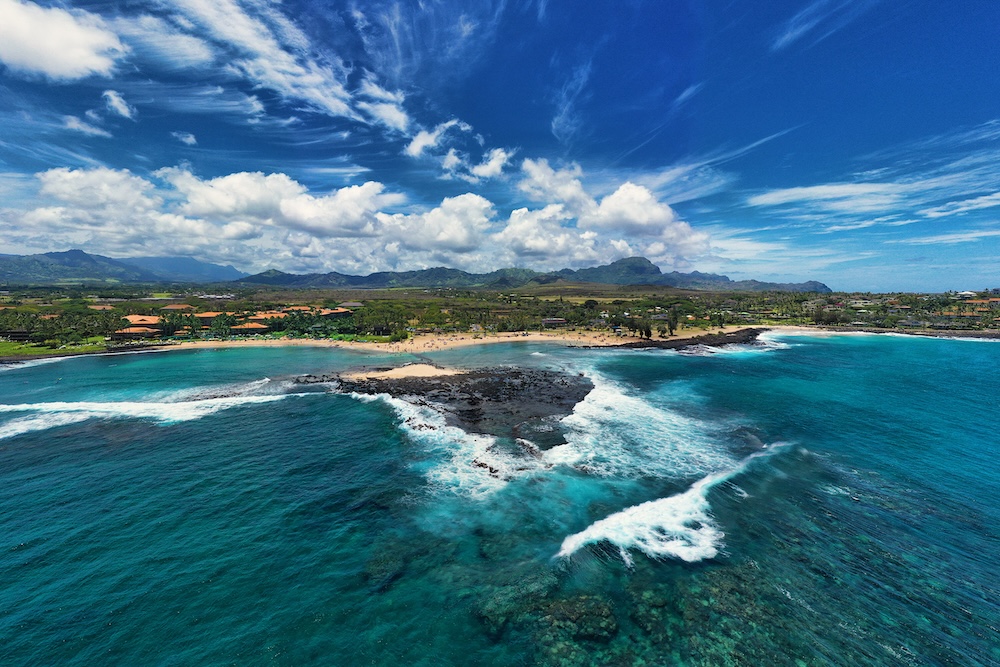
x,y
543,183
56,43
541,235
255,218
631,209
457,225
117,104
492,165
278,200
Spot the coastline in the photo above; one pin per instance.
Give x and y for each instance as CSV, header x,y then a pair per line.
x,y
590,339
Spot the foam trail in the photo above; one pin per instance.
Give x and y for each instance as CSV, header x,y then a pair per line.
x,y
23,425
163,412
17,365
680,526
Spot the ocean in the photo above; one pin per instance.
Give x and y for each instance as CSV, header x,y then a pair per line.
x,y
811,500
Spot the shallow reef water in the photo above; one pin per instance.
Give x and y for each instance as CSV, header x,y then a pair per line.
x,y
807,501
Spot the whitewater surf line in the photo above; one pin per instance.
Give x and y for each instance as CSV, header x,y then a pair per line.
x,y
680,526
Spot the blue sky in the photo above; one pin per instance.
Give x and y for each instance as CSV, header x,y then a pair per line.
x,y
855,142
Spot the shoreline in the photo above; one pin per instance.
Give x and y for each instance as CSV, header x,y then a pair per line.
x,y
587,339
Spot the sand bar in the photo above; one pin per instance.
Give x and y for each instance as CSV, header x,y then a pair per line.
x,y
407,371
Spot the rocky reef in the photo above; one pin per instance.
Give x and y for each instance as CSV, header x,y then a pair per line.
x,y
508,402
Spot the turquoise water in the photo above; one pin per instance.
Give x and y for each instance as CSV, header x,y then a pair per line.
x,y
808,501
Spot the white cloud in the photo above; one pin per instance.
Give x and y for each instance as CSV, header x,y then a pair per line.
x,y
840,197
631,209
821,18
389,114
452,160
99,188
276,199
55,42
185,138
77,125
274,53
540,236
492,165
543,183
566,122
117,104
165,43
430,139
968,236
964,206
457,225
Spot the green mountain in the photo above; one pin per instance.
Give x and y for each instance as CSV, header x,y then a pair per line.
x,y
630,271
70,266
78,266
185,269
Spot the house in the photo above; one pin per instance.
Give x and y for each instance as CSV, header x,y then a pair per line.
x,y
143,320
351,305
553,322
101,307
178,308
135,333
249,328
334,312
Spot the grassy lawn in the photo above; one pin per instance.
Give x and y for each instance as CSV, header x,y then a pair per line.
x,y
8,349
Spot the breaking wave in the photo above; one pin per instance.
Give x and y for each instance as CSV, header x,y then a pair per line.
x,y
178,406
613,433
680,526
471,464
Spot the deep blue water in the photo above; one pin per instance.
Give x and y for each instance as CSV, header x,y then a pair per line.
x,y
811,501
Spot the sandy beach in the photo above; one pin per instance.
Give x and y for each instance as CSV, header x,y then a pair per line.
x,y
434,342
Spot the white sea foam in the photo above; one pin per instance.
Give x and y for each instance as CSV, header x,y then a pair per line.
x,y
59,413
681,526
18,365
33,423
470,464
614,433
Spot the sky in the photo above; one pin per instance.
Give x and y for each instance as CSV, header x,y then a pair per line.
x,y
855,142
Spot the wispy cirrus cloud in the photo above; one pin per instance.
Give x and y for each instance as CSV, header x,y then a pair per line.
x,y
75,124
566,121
946,176
818,20
951,238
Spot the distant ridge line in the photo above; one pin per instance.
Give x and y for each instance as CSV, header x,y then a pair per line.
x,y
628,271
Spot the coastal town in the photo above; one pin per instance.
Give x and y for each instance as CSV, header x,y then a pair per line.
x,y
41,321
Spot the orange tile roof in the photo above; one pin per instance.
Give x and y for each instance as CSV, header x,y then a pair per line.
x,y
143,319
136,330
208,314
299,308
249,325
179,306
101,307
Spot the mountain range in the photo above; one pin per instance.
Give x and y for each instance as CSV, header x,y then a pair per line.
x,y
630,271
78,266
